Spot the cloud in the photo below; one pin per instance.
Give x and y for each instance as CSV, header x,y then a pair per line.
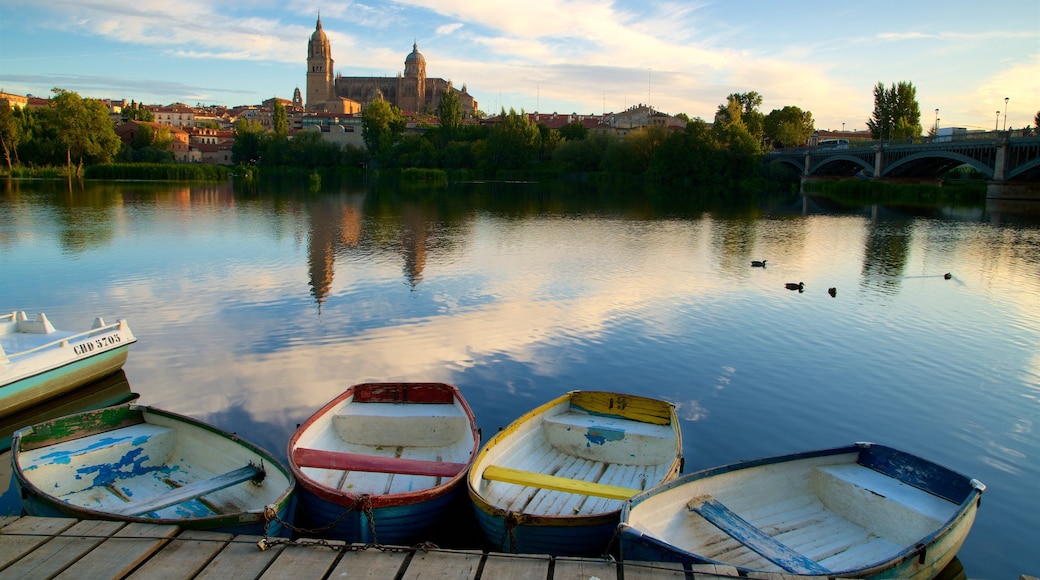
x,y
449,29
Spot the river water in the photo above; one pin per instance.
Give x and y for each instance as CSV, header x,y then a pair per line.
x,y
253,306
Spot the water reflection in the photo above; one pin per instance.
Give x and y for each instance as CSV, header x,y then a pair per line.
x,y
255,305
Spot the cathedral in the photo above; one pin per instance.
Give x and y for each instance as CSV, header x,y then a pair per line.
x,y
412,92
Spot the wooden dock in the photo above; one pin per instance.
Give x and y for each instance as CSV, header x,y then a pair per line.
x,y
34,547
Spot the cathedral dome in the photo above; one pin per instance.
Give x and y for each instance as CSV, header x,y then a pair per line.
x,y
319,34
415,57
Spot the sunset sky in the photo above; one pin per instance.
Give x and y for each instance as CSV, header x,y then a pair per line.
x,y
582,56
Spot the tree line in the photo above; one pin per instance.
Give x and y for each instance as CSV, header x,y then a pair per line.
x,y
75,132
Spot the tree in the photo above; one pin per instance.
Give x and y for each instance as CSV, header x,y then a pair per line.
x,y
449,111
742,109
281,121
788,127
575,130
135,112
512,142
249,142
82,128
381,125
10,134
896,112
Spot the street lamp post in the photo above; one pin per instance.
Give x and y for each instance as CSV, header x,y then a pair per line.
x,y
937,122
996,123
1005,112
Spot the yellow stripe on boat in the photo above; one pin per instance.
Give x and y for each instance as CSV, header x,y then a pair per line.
x,y
632,407
541,480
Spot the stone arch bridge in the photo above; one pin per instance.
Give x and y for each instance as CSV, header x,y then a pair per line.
x,y
1001,160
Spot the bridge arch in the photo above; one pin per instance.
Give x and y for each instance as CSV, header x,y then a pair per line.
x,y
843,160
952,159
1024,169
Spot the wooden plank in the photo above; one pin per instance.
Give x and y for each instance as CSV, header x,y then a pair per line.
x,y
121,553
515,567
583,569
62,551
654,571
323,459
301,562
192,491
372,564
437,564
241,558
541,480
183,557
22,535
744,532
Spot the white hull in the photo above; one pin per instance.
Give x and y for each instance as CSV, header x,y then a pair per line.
x,y
38,362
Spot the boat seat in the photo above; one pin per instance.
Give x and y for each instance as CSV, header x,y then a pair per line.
x,y
192,491
321,459
565,484
629,442
897,511
401,425
747,534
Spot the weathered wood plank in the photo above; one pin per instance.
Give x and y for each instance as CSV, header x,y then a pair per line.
x,y
183,557
535,479
436,564
121,553
193,490
241,558
62,551
515,567
301,562
7,520
583,569
746,533
702,570
374,564
22,535
654,571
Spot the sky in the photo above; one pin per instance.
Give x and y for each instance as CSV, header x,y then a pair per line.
x,y
964,57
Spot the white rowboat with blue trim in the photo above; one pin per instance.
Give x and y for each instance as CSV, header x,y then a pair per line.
x,y
860,511
39,362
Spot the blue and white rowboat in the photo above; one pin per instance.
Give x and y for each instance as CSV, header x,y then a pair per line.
x,y
861,511
141,464
39,362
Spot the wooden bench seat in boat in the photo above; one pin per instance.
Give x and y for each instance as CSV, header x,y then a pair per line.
x,y
193,490
401,425
630,442
322,459
872,500
565,484
747,534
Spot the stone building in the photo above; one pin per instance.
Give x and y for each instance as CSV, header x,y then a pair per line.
x,y
412,92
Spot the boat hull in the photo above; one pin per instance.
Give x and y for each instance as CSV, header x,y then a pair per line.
x,y
553,453
31,391
101,464
39,362
369,436
906,517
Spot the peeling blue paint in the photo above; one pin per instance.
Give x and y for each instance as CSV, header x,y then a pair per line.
x,y
600,435
65,457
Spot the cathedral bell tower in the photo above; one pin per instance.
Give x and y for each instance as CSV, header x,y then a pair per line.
x,y
320,87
